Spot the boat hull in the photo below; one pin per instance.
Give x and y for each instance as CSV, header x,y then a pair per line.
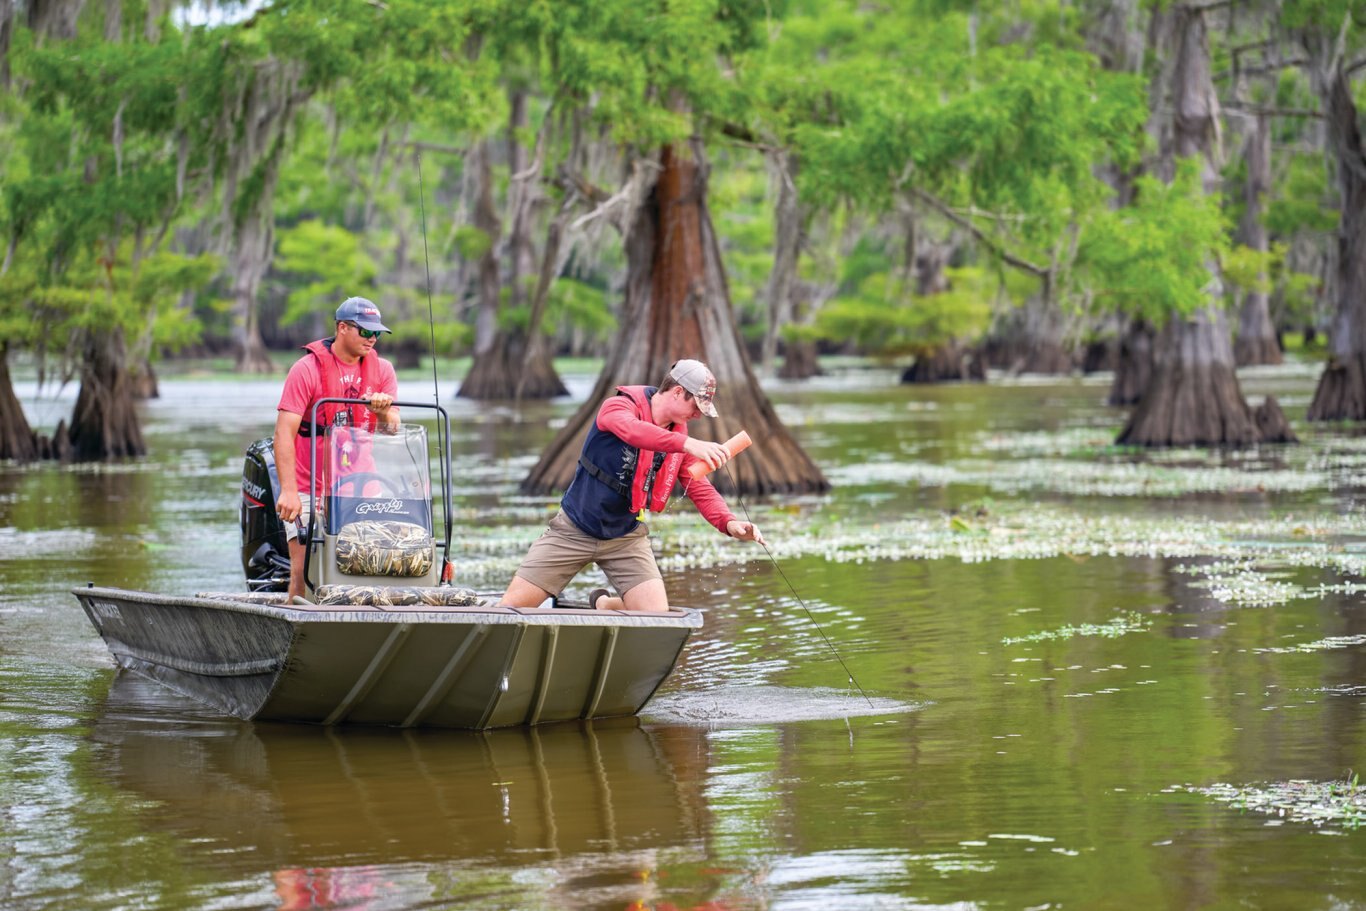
x,y
470,667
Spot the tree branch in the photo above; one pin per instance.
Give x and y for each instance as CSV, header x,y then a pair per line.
x,y
575,182
740,132
1208,7
435,147
1274,112
1259,70
978,234
538,154
746,138
1250,46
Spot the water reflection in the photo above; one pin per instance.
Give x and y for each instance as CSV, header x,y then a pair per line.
x,y
299,889
1063,690
385,797
583,816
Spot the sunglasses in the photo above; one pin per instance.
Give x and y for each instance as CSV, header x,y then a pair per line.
x,y
366,333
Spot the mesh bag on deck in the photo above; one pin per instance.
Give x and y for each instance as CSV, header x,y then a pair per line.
x,y
395,596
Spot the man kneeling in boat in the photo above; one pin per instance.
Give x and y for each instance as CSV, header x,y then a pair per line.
x,y
342,367
631,460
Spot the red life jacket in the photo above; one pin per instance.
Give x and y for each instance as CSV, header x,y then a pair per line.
x,y
330,370
648,485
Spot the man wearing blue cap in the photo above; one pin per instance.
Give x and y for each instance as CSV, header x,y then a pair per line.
x,y
344,366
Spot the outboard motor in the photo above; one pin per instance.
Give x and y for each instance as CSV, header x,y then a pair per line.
x,y
265,553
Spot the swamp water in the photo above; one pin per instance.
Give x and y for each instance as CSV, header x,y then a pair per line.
x,y
1099,680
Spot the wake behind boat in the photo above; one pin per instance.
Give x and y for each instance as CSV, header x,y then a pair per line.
x,y
387,641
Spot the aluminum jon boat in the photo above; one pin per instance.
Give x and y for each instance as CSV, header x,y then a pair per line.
x,y
385,639
478,666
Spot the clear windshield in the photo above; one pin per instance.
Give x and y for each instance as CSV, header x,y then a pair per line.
x,y
378,475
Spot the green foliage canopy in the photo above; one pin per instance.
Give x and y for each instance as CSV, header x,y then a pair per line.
x,y
1152,259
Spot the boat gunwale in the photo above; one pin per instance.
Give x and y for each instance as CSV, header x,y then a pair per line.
x,y
676,618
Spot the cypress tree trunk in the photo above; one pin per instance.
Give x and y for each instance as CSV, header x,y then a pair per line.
x,y
1194,397
1256,341
1134,369
6,38
1033,343
1341,394
508,370
945,364
1114,33
54,18
678,305
1100,355
113,20
143,381
255,242
514,363
524,199
792,302
952,361
1044,328
104,423
801,355
253,123
787,238
800,360
537,377
17,440
486,220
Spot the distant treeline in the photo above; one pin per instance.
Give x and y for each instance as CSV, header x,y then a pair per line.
x,y
1160,189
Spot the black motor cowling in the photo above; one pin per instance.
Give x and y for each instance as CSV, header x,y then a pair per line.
x,y
265,553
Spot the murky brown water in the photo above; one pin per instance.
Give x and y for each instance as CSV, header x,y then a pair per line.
x,y
1045,710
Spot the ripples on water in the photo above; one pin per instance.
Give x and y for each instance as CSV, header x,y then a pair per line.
x,y
1051,668
757,704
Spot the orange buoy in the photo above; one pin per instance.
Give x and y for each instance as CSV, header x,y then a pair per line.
x,y
735,445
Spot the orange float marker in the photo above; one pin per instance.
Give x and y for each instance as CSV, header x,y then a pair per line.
x,y
735,445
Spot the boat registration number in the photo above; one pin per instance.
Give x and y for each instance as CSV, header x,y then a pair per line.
x,y
106,610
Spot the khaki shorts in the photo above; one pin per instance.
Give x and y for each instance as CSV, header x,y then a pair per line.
x,y
298,530
562,551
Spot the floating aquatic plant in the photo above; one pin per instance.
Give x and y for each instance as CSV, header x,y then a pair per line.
x,y
1248,558
1317,803
1082,461
1320,645
1246,555
1127,623
1243,583
1340,588
1091,478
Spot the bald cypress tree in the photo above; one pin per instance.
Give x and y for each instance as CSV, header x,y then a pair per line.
x,y
1328,31
678,305
677,300
1193,396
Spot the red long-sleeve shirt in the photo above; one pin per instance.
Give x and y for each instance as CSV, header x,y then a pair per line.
x,y
601,512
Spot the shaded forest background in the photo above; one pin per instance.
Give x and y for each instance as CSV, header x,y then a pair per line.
x,y
1167,190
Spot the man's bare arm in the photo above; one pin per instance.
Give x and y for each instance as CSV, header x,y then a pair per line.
x,y
286,432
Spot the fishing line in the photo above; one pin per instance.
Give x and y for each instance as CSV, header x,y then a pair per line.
x,y
792,588
431,316
447,470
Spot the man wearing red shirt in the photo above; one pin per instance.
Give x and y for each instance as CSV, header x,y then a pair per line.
x,y
344,366
631,460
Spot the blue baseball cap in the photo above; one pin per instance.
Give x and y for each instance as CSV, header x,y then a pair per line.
x,y
362,312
